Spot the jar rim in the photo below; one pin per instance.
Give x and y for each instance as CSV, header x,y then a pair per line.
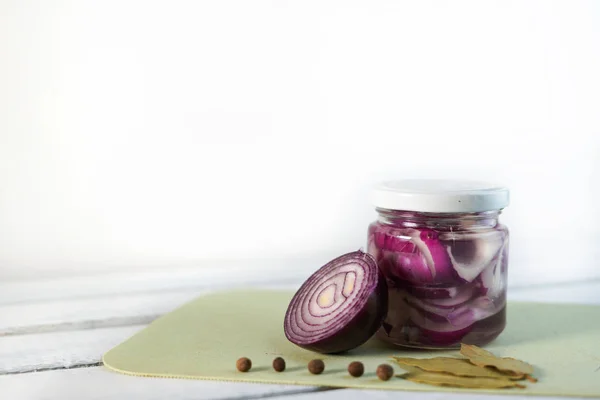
x,y
440,195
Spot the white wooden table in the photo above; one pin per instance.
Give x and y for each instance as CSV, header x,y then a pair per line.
x,y
53,333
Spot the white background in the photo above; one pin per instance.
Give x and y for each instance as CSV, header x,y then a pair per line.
x,y
145,134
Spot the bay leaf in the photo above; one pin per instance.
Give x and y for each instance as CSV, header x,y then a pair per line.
x,y
442,379
484,358
453,366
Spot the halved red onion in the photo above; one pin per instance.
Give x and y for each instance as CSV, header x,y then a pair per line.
x,y
339,307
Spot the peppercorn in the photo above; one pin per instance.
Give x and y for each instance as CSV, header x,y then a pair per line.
x,y
316,367
356,369
243,364
279,364
385,372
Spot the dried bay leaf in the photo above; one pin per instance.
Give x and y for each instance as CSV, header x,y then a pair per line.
x,y
469,350
453,366
441,379
484,358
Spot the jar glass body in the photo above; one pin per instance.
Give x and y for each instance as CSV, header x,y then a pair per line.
x,y
446,275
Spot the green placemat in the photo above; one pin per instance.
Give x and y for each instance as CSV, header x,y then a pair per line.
x,y
204,338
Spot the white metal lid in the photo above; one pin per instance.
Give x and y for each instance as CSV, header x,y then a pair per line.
x,y
439,195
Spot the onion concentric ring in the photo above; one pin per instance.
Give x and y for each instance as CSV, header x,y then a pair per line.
x,y
339,307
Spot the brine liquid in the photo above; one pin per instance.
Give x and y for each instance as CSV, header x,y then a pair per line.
x,y
445,287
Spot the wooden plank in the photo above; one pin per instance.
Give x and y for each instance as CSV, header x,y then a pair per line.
x,y
101,384
355,394
98,383
26,353
96,312
90,313
34,351
208,275
29,352
223,275
143,307
21,353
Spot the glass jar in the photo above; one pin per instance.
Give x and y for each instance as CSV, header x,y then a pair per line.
x,y
445,258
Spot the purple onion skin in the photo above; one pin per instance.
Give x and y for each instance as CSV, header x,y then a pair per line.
x,y
452,304
357,330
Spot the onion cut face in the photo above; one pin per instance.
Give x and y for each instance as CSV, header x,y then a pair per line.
x,y
339,307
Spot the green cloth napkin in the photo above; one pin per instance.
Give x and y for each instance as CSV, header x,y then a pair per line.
x,y
204,338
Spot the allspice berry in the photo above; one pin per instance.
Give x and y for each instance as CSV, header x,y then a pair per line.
x,y
385,372
279,364
243,364
356,369
316,367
